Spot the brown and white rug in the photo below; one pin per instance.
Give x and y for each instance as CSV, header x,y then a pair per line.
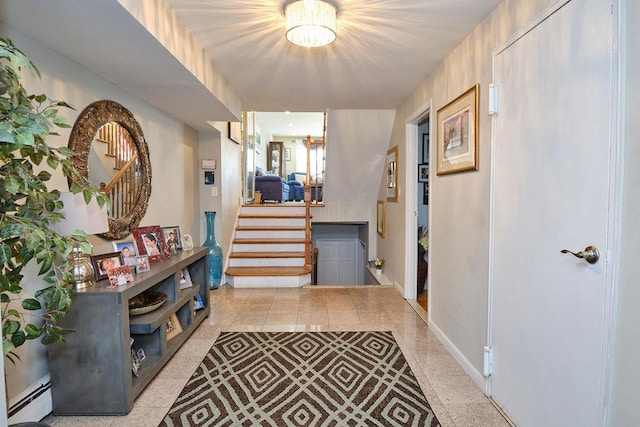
x,y
302,379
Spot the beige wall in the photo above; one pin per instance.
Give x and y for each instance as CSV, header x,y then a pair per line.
x,y
173,150
459,231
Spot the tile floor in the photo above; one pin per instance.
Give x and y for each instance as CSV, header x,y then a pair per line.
x,y
454,397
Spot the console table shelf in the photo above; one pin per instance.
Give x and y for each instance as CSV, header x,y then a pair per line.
x,y
92,373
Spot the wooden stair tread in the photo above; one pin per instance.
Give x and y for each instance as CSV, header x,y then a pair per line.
x,y
286,204
267,271
266,255
250,240
262,216
267,228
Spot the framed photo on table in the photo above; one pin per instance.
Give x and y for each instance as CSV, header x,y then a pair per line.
x,y
172,237
173,327
102,263
150,242
142,264
458,134
119,276
127,249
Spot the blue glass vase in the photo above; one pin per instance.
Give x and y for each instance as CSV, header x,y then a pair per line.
x,y
215,252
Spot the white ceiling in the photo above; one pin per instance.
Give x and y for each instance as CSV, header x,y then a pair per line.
x,y
384,49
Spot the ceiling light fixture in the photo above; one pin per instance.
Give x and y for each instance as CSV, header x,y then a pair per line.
x,y
310,23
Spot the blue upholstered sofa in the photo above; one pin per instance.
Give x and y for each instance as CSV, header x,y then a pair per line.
x,y
272,187
296,189
296,185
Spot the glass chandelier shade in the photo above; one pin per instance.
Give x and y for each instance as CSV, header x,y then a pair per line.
x,y
310,23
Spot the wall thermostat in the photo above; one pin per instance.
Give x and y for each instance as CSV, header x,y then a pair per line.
x,y
208,164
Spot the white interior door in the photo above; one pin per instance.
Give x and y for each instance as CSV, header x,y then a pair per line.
x,y
551,192
336,262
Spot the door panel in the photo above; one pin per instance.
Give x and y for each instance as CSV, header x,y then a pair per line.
x,y
551,187
336,262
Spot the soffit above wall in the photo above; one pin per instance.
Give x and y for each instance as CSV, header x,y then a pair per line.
x,y
105,38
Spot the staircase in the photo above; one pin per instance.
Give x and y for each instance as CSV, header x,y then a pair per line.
x,y
269,249
125,183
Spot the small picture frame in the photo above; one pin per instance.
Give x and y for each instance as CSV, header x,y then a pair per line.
x,y
287,154
172,237
135,362
142,264
392,174
102,263
425,194
423,172
187,242
381,213
150,241
425,148
119,276
198,304
127,249
173,327
209,177
235,132
185,279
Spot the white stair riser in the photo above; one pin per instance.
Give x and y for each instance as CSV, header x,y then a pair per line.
x,y
271,222
266,262
269,281
270,234
268,247
273,210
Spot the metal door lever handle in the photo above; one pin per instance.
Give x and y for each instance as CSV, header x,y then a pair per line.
x,y
590,254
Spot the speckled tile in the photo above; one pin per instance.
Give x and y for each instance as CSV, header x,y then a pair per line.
x,y
476,415
455,398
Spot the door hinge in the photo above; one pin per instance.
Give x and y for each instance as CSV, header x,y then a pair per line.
x,y
493,99
487,365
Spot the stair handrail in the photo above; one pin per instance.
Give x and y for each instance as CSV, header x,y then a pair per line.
x,y
307,207
120,173
122,190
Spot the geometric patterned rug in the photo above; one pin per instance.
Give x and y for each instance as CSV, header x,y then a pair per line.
x,y
302,379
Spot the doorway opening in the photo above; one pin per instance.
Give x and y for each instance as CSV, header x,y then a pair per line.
x,y
418,192
422,211
341,252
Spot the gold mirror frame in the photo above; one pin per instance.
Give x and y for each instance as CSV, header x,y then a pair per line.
x,y
82,135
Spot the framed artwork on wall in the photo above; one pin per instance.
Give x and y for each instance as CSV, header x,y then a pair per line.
x,y
381,219
423,172
235,132
457,144
425,148
392,174
425,194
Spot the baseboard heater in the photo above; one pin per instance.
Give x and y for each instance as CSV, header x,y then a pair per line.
x,y
33,404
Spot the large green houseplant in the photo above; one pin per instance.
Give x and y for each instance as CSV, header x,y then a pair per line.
x,y
28,208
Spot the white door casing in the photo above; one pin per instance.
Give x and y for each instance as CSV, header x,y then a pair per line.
x,y
551,191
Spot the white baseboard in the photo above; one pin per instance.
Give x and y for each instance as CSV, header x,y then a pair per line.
x,y
475,375
33,404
